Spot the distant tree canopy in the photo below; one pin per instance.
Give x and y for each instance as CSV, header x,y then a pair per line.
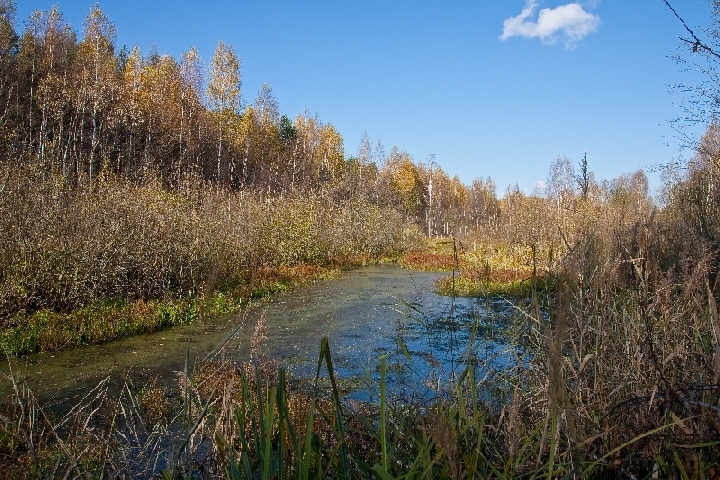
x,y
82,109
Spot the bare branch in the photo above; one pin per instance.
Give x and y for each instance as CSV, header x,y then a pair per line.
x,y
696,43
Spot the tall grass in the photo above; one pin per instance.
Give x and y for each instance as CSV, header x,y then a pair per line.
x,y
621,382
592,402
68,249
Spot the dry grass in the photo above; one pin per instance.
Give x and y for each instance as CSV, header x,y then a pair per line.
x,y
86,264
621,378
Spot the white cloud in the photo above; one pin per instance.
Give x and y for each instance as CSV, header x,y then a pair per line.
x,y
569,23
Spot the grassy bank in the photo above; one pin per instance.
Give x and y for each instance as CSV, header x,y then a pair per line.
x,y
107,320
487,271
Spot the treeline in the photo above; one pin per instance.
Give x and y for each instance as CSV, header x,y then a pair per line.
x,y
84,108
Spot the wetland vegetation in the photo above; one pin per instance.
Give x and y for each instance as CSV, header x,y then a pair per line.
x,y
136,195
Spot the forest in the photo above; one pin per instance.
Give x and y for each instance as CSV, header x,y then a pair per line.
x,y
88,125
140,191
88,109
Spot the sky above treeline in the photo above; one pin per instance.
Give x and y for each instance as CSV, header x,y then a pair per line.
x,y
497,89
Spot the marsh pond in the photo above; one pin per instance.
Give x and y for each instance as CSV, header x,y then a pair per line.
x,y
367,313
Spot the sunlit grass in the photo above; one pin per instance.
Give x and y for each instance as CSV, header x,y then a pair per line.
x,y
107,320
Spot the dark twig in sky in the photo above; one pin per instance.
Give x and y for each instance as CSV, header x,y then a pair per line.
x,y
697,44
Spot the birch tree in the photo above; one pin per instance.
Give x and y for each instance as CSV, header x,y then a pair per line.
x,y
268,142
54,89
191,71
223,95
97,67
8,72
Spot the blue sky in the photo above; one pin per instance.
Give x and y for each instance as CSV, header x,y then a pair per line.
x,y
436,77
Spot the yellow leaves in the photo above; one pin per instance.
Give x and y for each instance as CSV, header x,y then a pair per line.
x,y
153,90
134,66
165,86
320,147
191,71
331,148
307,128
406,181
97,49
459,191
405,177
53,94
99,31
223,90
243,127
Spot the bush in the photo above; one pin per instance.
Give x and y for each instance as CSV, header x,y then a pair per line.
x,y
63,246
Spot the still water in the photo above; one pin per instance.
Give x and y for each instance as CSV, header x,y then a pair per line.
x,y
369,312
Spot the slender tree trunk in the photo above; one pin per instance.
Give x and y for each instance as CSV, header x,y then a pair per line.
x,y
93,143
42,137
219,156
245,160
181,152
31,104
82,137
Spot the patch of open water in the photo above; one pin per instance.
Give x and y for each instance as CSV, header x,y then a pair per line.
x,y
368,312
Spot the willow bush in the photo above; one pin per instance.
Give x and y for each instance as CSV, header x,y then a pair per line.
x,y
63,245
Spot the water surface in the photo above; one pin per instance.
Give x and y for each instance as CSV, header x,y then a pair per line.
x,y
367,313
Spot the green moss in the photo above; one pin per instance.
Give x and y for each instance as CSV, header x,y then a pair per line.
x,y
111,319
105,321
469,287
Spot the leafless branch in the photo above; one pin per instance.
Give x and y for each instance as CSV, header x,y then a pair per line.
x,y
696,43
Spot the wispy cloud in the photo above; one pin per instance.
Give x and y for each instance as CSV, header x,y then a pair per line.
x,y
568,23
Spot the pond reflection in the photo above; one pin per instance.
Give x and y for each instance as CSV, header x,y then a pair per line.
x,y
368,312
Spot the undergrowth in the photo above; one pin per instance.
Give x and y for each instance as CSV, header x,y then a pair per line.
x,y
90,263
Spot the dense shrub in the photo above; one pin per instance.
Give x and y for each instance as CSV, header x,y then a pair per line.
x,y
62,245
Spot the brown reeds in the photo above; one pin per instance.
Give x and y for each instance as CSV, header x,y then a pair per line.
x,y
620,359
91,263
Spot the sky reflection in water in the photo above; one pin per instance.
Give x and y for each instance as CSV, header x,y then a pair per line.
x,y
369,312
